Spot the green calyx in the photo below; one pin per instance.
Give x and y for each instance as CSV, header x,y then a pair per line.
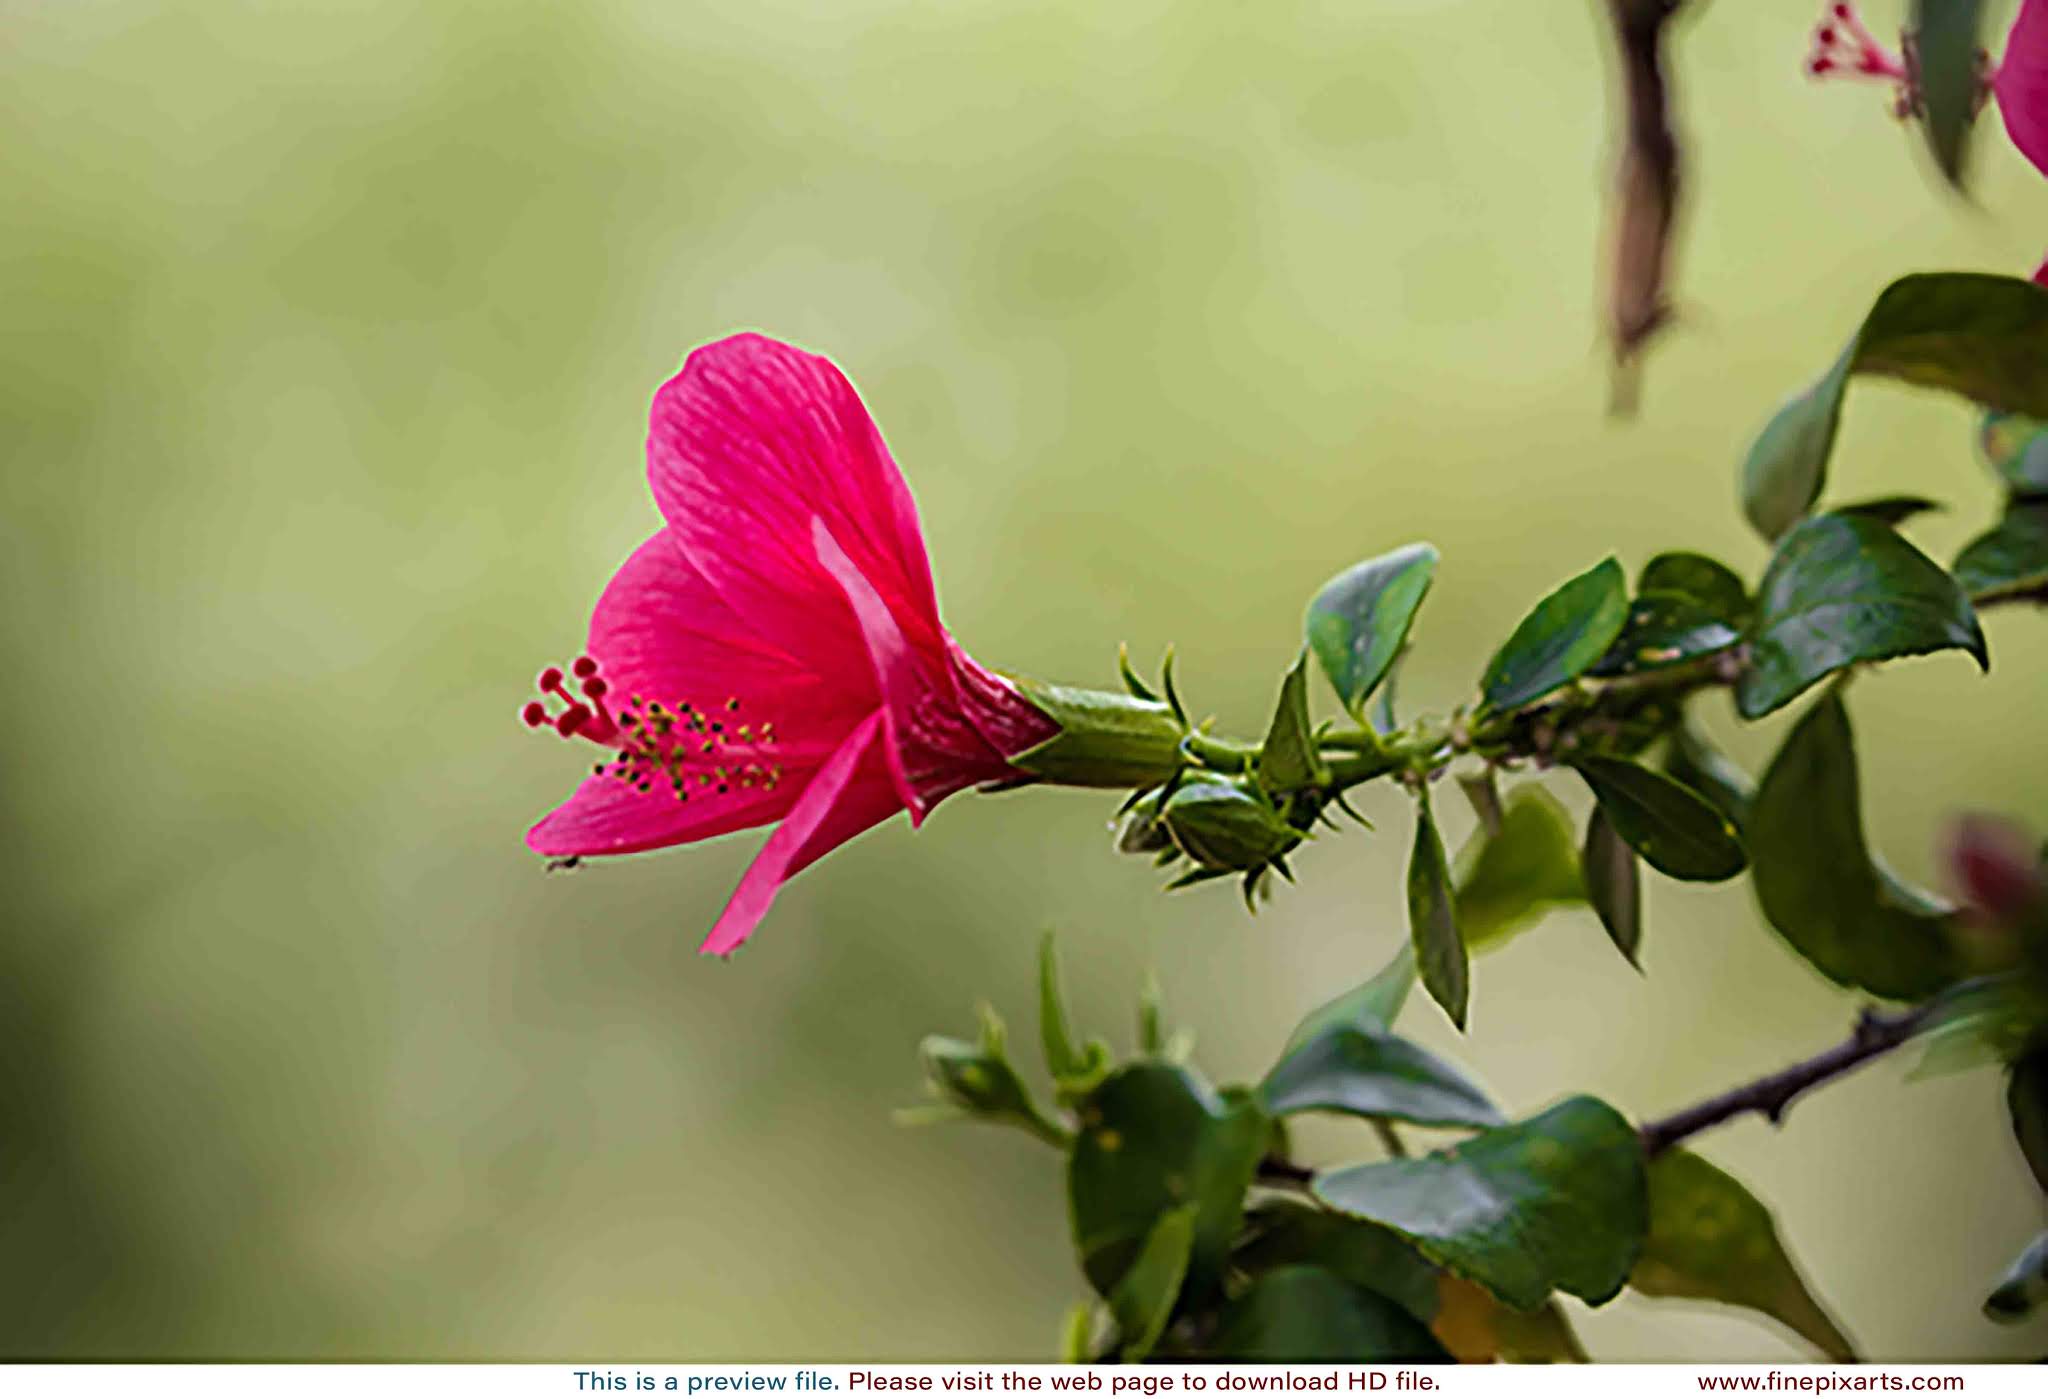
x,y
1105,740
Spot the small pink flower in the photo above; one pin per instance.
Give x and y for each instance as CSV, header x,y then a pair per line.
x,y
774,653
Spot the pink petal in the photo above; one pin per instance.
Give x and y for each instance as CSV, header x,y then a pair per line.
x,y
2022,83
605,816
747,444
851,793
662,632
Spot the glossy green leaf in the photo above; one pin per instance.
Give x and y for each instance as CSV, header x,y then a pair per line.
x,y
1689,759
2024,1286
1708,582
1969,333
1305,1313
1841,590
1554,1202
1947,45
1613,884
1814,876
1433,919
2016,447
1712,1240
1673,828
1281,1232
1288,758
1507,882
1893,510
1142,1301
2026,1097
1555,644
1666,629
1374,1073
1358,621
2009,559
1372,1004
1154,1137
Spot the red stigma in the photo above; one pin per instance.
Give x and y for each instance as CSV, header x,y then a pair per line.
x,y
535,714
594,687
584,667
551,679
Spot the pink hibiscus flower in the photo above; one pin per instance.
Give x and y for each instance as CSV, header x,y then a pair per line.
x,y
774,653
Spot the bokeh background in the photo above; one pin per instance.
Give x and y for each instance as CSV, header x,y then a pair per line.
x,y
326,336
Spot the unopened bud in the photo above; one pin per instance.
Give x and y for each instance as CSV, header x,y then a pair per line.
x,y
1227,824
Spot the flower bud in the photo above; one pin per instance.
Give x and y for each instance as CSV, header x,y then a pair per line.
x,y
1224,823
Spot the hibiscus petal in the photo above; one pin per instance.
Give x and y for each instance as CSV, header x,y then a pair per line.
x,y
2022,83
662,632
851,793
895,665
607,816
746,445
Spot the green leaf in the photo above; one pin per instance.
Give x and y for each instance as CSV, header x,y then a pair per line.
x,y
1154,1137
2024,1285
1374,1073
1062,1059
1692,761
1556,643
1672,827
1986,1021
2009,559
1969,333
1614,885
1373,1004
1509,881
1433,920
1305,1313
1142,1302
1555,1202
1281,1232
1842,590
1666,629
1077,1334
1288,758
1359,619
1814,876
1708,582
1947,42
2016,447
2026,1096
1712,1240
1893,510
1478,1330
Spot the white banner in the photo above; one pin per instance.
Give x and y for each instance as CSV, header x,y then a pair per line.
x,y
569,1381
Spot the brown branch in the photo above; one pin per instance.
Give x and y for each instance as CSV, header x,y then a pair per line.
x,y
1877,1032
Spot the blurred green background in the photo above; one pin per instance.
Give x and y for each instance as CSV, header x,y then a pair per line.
x,y
328,331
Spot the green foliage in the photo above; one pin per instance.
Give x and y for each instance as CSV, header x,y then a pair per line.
x,y
1708,582
1284,1231
1667,629
1673,828
1969,333
1372,1004
1614,884
1692,761
1560,640
2024,1286
1154,1138
2016,447
1508,880
1433,920
1712,1240
1304,1313
1359,620
1948,45
1842,589
1816,880
2011,558
1143,1299
1371,1072
1893,510
1075,1070
1554,1202
1288,758
2026,1098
